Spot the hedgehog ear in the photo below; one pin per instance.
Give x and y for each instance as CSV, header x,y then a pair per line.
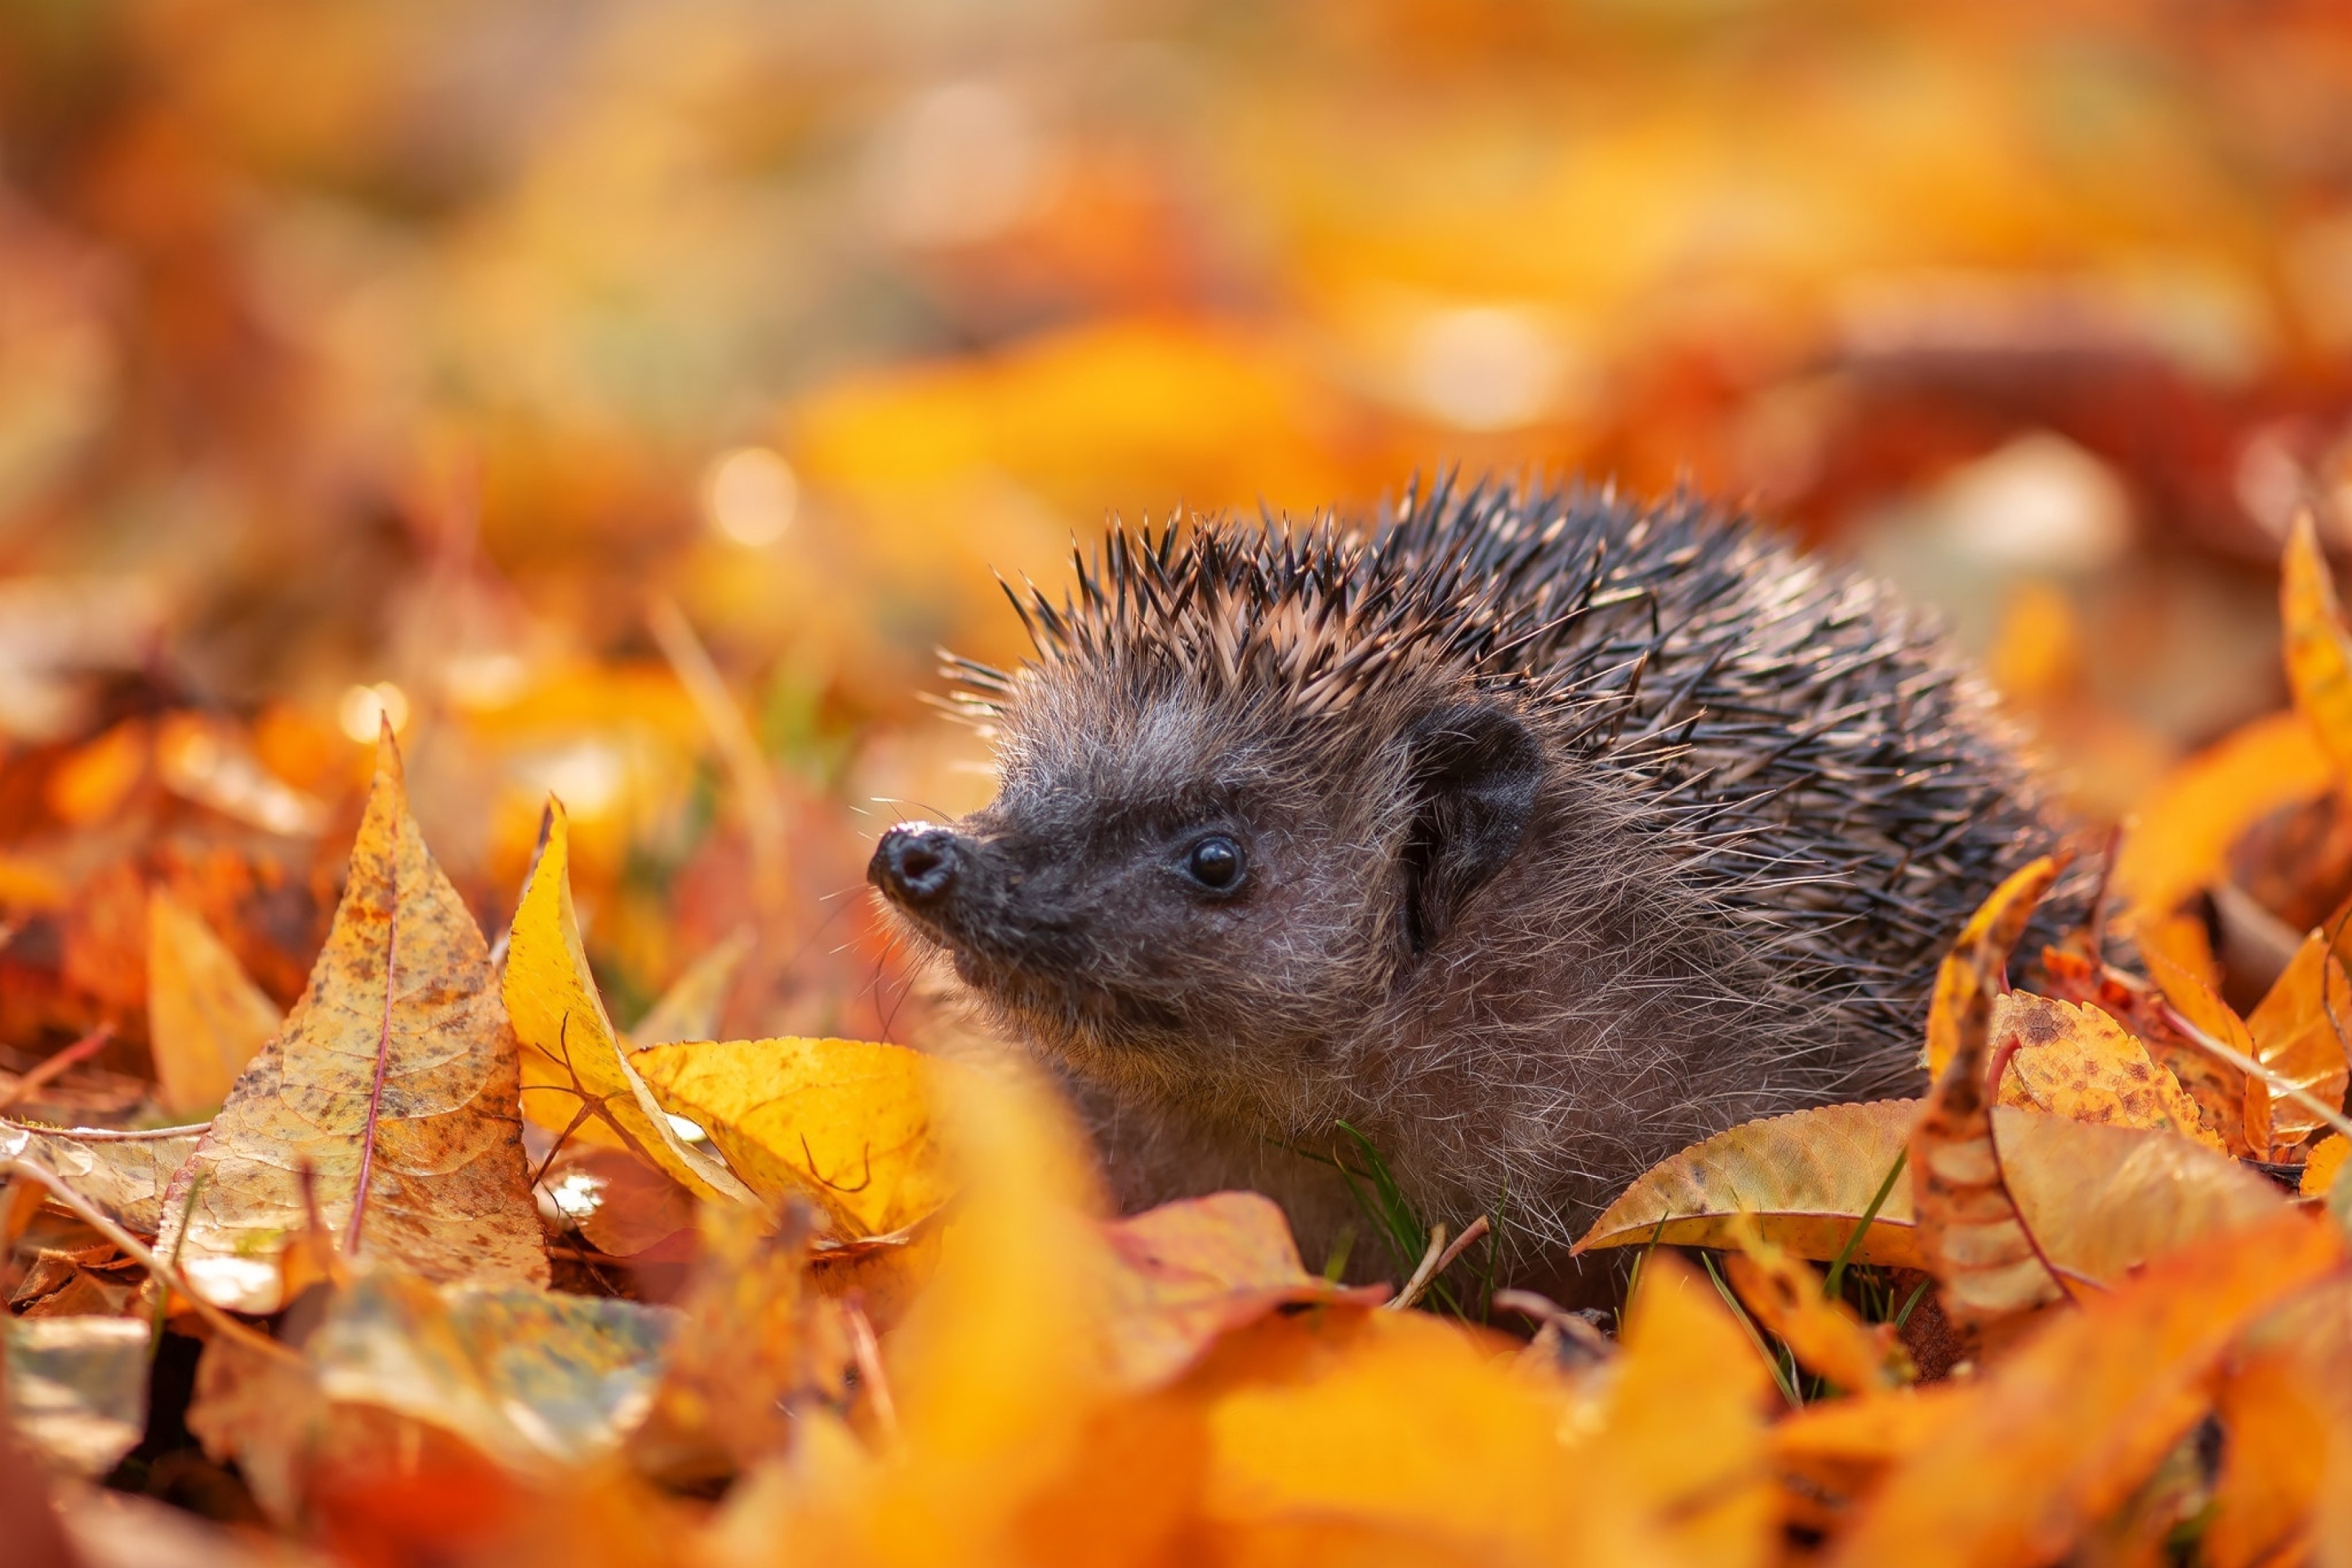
x,y
1478,769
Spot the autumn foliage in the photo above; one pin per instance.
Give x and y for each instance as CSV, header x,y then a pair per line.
x,y
481,484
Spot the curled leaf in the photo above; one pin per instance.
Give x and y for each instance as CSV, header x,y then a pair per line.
x,y
574,1068
2297,1031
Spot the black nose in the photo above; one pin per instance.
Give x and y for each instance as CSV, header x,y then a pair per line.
x,y
915,862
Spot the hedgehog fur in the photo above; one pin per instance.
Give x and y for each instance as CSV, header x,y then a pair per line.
x,y
1557,831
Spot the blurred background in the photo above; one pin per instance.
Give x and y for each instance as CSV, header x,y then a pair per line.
x,y
627,396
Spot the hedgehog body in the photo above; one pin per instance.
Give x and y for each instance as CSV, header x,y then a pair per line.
x,y
1532,835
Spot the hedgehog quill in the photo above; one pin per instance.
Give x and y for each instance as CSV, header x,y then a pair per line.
x,y
1534,834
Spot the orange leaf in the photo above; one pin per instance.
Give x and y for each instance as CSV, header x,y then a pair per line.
x,y
2296,1035
2180,842
1785,1296
2075,1418
1970,976
2318,650
2236,1104
2324,1165
1192,1270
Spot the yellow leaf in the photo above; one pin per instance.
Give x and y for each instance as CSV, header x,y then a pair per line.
x,y
2236,1105
1804,1179
395,1079
2295,1035
2078,1062
2075,1417
1785,1296
568,1039
2318,649
2099,1200
847,1123
205,1018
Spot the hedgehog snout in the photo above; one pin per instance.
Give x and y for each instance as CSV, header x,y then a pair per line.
x,y
915,863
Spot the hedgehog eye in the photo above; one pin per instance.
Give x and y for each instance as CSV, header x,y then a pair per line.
x,y
1215,862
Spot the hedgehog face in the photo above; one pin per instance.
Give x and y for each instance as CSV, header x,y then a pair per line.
x,y
1166,889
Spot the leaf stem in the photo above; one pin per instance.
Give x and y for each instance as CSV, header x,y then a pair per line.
x,y
382,1065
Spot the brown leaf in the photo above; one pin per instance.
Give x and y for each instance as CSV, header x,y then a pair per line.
x,y
123,1175
2077,1416
205,1018
1969,1233
76,1387
618,1203
395,1078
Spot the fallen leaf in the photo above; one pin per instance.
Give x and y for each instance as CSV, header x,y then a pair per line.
x,y
1786,1298
1969,976
2078,1415
2100,1200
1682,1445
205,1018
395,1079
618,1203
1833,1454
2282,1402
1983,1257
527,1380
2296,1035
2079,1063
2180,840
123,1175
574,1068
78,1388
2317,649
1193,1270
1804,1179
2235,1104
758,1350
844,1124
2324,1165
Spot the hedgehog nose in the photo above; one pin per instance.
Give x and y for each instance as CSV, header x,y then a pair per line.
x,y
915,862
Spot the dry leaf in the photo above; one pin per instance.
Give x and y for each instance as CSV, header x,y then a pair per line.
x,y
2099,1200
1785,1296
2324,1164
78,1388
758,1351
2180,841
1833,1454
2317,649
1804,1179
2296,1035
205,1018
2075,1418
845,1123
2235,1104
395,1079
2079,1063
1969,1233
618,1203
574,1068
123,1175
1191,1271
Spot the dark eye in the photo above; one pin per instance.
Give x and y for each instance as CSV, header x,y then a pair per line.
x,y
1215,862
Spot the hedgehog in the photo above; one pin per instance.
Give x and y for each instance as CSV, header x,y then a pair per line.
x,y
1519,835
